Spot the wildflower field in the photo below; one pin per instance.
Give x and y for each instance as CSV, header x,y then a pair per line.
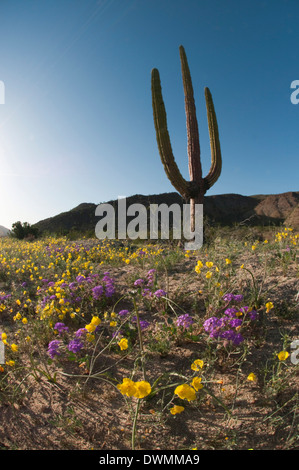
x,y
124,345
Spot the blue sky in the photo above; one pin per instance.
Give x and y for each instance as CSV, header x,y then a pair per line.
x,y
77,126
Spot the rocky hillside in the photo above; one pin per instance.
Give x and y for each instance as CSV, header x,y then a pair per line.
x,y
223,209
3,231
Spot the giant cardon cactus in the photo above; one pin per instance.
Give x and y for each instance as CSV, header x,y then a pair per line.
x,y
192,191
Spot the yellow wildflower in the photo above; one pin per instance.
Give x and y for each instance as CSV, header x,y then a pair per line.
x,y
90,328
176,409
143,389
95,321
196,383
184,391
127,387
252,377
123,344
283,355
198,363
10,363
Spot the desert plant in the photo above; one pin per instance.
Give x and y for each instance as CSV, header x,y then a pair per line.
x,y
192,191
25,230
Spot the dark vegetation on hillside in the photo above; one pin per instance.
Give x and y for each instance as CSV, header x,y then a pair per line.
x,y
222,210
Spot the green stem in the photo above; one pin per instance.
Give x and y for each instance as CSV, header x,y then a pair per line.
x,y
135,424
254,286
140,339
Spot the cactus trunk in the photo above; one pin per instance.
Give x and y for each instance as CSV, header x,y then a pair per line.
x,y
192,191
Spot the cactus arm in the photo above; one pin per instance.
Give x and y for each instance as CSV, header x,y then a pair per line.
x,y
195,170
164,145
216,165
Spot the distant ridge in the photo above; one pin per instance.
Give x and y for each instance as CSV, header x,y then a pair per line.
x,y
3,231
223,209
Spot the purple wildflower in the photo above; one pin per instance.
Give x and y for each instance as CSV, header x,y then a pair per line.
x,y
53,348
109,285
235,322
80,332
151,271
238,297
138,282
60,327
159,293
211,323
97,291
144,324
109,291
185,321
147,292
215,333
253,314
75,345
123,313
4,297
238,339
228,297
232,336
230,311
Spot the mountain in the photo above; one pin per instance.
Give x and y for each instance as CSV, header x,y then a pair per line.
x,y
223,209
3,231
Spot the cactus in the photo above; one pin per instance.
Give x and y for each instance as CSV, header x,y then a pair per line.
x,y
192,191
